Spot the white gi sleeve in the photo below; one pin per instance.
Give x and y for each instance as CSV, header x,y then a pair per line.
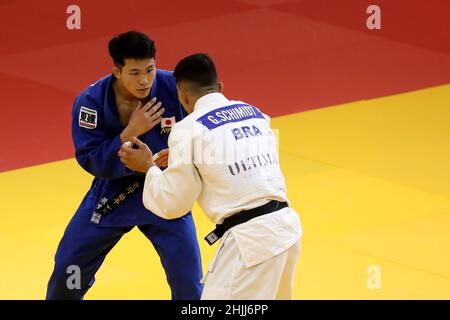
x,y
171,193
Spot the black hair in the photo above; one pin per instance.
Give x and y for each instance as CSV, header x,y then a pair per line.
x,y
198,69
131,45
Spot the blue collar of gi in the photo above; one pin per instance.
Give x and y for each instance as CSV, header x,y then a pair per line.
x,y
111,111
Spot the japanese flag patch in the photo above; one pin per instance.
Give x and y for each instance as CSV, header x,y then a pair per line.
x,y
87,118
166,124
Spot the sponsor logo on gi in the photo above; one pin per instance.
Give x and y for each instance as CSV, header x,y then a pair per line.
x,y
257,161
87,118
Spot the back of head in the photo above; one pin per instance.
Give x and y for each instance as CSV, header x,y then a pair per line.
x,y
196,72
131,45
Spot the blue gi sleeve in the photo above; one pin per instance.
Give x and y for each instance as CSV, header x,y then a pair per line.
x,y
95,147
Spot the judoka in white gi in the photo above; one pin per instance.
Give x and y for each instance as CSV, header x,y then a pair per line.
x,y
224,155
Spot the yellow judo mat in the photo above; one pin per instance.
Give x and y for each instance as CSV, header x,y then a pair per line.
x,y
370,180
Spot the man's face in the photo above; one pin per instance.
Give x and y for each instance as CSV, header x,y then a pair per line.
x,y
137,76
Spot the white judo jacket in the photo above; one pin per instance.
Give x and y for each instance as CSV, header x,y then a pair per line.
x,y
224,155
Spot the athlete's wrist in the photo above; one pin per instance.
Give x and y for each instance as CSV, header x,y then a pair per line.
x,y
150,163
127,134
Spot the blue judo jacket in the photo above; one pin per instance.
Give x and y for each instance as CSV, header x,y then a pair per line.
x,y
96,130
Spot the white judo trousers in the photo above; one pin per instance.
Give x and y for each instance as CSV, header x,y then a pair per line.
x,y
228,277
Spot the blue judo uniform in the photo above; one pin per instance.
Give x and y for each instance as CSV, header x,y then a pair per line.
x,y
90,234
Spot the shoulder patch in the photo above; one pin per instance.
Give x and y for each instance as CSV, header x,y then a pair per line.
x,y
166,124
87,118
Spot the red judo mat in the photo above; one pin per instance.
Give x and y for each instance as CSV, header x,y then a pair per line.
x,y
283,56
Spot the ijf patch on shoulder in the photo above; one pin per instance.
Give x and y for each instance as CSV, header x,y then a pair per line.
x,y
87,118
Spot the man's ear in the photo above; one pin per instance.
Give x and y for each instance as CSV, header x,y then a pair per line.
x,y
185,97
220,86
181,94
116,72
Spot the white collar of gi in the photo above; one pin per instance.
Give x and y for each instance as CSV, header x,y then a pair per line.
x,y
210,99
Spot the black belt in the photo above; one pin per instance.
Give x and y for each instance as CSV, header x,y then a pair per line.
x,y
105,207
241,217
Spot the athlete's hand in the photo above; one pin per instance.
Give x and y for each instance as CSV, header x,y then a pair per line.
x,y
162,158
143,119
139,160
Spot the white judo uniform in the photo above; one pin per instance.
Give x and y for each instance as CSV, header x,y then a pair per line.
x,y
224,155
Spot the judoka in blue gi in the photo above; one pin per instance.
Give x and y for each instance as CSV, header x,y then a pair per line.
x,y
136,100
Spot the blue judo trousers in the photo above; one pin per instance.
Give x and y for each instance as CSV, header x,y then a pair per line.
x,y
89,236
